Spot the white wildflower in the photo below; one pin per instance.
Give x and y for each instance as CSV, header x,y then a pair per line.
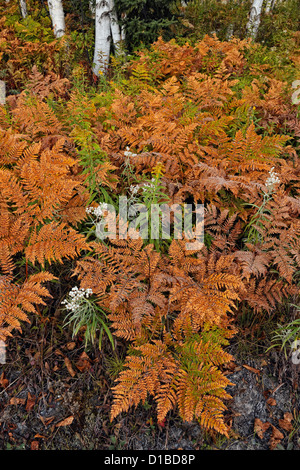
x,y
127,153
133,189
149,185
75,298
97,211
272,180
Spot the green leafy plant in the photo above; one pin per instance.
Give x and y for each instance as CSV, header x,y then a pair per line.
x,y
253,228
285,335
85,314
151,193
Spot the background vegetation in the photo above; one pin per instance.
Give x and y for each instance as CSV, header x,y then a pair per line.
x,y
203,112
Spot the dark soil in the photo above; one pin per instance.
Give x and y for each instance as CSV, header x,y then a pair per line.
x,y
55,396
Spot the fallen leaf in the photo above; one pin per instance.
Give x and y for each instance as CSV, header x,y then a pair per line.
x,y
105,428
66,422
3,381
275,438
34,445
256,371
71,345
286,422
117,428
46,421
84,362
231,367
162,423
260,427
58,352
69,367
39,436
17,401
30,402
271,401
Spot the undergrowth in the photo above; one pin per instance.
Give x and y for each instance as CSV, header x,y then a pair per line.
x,y
207,122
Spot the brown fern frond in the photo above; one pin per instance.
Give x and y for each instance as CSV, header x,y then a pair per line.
x,y
35,118
48,183
11,147
17,301
142,376
253,263
42,86
53,242
191,381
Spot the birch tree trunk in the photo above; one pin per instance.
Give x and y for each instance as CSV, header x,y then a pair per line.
x,y
23,8
229,33
269,6
102,36
57,16
115,28
123,34
107,28
254,18
2,93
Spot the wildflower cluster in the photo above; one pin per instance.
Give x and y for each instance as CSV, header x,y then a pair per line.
x,y
134,189
84,314
97,211
127,153
254,235
272,180
76,296
149,185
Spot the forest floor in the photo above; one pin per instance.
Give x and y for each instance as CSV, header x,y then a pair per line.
x,y
56,396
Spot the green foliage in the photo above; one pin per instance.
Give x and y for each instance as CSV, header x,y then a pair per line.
x,y
278,26
199,119
87,317
224,19
149,193
145,20
285,335
32,30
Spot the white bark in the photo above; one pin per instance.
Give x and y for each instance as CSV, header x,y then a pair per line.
x,y
2,93
254,18
269,6
115,27
102,36
230,30
23,7
295,95
229,33
57,16
123,34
